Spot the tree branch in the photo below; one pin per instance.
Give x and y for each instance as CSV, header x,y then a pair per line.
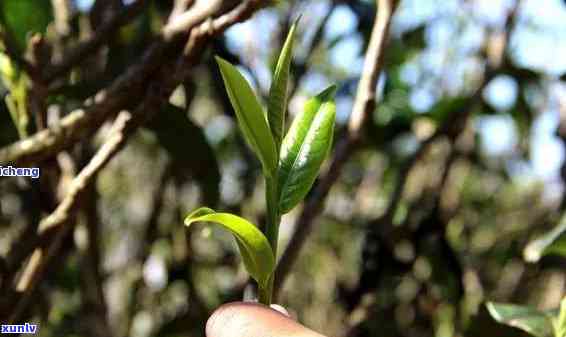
x,y
364,104
381,230
64,214
125,124
126,90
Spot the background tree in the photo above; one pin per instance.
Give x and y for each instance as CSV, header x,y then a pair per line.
x,y
447,161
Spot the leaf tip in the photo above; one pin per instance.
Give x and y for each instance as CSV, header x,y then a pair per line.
x,y
328,93
221,62
196,214
490,306
297,19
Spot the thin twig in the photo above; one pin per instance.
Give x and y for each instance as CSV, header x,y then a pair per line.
x,y
363,106
200,10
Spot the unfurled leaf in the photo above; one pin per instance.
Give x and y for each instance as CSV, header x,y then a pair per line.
x,y
277,102
537,323
305,147
250,115
254,247
554,242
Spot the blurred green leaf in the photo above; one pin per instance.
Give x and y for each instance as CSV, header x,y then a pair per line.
x,y
560,321
189,150
277,102
447,106
8,131
254,247
554,242
305,147
23,17
16,82
533,321
250,115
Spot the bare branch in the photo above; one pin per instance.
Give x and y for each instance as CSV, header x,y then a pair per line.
x,y
381,229
64,213
199,11
124,92
365,97
364,104
126,123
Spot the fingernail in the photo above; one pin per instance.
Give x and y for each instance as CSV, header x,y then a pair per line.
x,y
280,309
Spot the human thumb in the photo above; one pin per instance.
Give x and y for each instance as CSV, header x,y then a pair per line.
x,y
246,319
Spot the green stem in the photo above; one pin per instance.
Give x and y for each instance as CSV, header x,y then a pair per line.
x,y
271,232
264,294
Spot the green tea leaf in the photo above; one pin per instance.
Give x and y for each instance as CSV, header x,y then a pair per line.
x,y
277,102
254,247
21,18
533,321
250,115
554,242
305,147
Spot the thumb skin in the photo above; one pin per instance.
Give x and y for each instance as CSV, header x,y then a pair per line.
x,y
245,319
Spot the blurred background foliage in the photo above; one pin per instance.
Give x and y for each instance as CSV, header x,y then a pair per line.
x,y
471,203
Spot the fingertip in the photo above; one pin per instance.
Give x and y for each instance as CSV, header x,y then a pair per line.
x,y
219,319
232,319
247,319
